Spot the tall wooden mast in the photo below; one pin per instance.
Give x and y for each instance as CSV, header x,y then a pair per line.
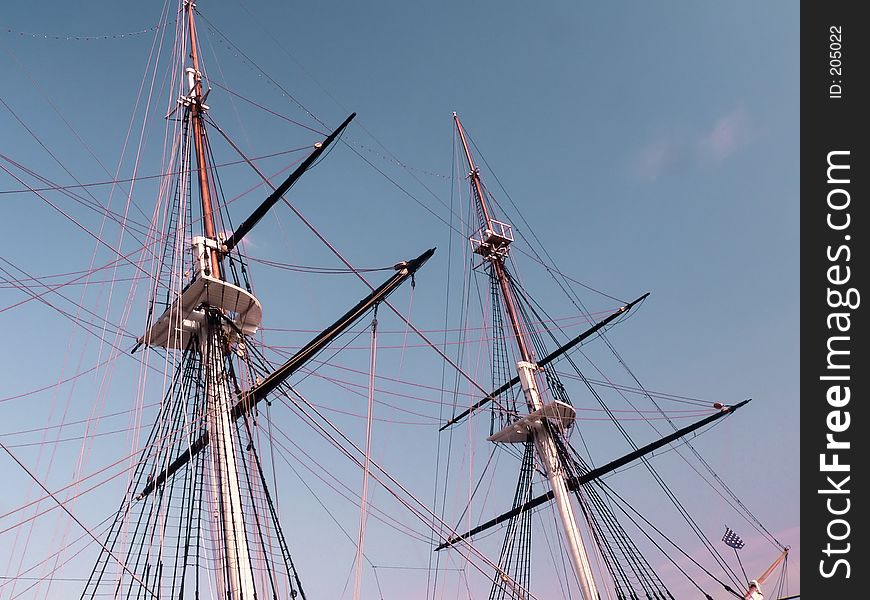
x,y
199,517
492,242
197,108
232,549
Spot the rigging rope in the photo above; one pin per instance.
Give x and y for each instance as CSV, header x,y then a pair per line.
x,y
363,505
667,490
432,581
63,507
515,555
401,493
549,267
552,271
335,251
83,38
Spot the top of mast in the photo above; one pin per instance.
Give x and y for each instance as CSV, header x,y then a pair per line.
x,y
194,103
494,237
474,174
492,241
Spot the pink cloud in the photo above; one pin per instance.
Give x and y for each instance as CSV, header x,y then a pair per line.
x,y
670,152
655,158
727,134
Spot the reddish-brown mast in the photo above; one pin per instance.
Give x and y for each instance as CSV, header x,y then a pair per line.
x,y
197,109
475,176
493,243
498,258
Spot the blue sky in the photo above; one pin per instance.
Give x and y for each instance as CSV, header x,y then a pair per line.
x,y
650,146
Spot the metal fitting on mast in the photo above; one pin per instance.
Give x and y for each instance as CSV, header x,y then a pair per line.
x,y
194,82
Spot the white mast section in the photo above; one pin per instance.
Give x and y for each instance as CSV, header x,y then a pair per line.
x,y
547,454
225,474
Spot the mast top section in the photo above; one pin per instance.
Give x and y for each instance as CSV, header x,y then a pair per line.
x,y
194,74
194,102
493,239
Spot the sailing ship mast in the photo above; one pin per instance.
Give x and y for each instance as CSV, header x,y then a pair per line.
x,y
544,432
200,485
233,544
493,244
209,319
